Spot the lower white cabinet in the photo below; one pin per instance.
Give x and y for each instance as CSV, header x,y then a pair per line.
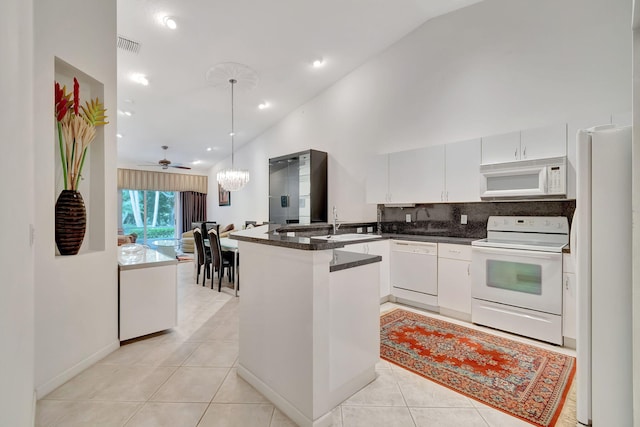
x,y
569,303
381,248
148,300
454,280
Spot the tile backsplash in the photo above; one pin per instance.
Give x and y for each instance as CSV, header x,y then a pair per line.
x,y
445,218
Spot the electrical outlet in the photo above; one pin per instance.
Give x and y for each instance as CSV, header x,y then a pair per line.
x,y
463,219
359,230
407,217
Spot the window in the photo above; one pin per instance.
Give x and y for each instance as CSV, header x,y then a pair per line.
x,y
149,214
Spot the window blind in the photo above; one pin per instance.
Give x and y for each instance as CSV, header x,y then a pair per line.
x,y
134,179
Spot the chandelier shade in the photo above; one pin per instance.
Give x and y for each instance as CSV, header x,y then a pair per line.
x,y
232,179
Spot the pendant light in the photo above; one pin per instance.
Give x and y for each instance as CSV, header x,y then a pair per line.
x,y
232,179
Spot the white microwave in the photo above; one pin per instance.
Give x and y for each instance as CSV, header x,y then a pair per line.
x,y
524,179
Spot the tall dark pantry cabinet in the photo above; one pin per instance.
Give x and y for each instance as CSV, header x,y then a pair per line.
x,y
298,188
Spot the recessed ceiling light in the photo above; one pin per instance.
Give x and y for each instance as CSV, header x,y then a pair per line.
x,y
140,78
264,105
232,133
118,135
196,162
209,148
128,113
170,22
318,63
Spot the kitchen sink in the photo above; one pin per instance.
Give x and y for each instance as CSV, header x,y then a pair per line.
x,y
347,237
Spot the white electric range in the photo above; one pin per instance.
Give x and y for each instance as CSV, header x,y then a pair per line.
x,y
516,276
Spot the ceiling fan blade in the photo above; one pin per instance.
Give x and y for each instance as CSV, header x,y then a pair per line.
x,y
180,167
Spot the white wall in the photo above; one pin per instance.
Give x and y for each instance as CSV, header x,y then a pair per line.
x,y
636,217
494,67
16,174
76,305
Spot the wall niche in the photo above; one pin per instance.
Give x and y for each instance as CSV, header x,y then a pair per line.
x,y
92,181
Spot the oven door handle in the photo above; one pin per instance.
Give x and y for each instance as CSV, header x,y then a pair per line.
x,y
517,253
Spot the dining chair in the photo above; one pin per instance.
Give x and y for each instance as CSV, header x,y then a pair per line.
x,y
220,260
203,257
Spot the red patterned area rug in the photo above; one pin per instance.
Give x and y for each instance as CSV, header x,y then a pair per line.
x,y
524,381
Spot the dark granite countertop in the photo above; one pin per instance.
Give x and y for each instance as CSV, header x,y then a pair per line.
x,y
343,260
271,235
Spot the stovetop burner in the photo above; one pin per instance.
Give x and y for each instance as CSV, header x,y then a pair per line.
x,y
534,233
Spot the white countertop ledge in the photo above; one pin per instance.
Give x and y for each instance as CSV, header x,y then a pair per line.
x,y
128,260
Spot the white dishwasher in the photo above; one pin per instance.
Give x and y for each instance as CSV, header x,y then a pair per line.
x,y
414,271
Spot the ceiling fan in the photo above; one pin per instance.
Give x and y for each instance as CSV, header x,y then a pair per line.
x,y
166,164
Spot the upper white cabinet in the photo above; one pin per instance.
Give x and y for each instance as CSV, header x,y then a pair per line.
x,y
377,186
540,143
438,173
501,148
529,144
412,176
417,175
462,165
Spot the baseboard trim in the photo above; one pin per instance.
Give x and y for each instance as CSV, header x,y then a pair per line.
x,y
282,404
55,382
465,317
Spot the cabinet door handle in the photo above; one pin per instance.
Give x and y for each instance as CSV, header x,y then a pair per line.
x,y
447,195
469,270
566,282
442,196
515,154
454,251
524,153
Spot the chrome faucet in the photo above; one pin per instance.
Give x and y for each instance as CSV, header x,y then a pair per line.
x,y
335,219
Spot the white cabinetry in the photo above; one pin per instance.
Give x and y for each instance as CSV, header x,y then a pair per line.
x,y
148,298
454,280
438,173
569,311
501,148
544,142
417,175
381,248
529,144
462,168
377,186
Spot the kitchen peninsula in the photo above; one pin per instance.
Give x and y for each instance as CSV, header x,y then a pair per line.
x,y
309,321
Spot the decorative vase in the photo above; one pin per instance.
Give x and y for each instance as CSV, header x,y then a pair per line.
x,y
71,222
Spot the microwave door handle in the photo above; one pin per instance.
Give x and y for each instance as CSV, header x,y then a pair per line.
x,y
519,253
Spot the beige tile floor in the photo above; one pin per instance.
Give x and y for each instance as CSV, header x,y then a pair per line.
x,y
187,377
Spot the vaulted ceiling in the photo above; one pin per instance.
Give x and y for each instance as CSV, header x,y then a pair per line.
x,y
276,40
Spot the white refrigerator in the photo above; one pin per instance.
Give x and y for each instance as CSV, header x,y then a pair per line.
x,y
602,251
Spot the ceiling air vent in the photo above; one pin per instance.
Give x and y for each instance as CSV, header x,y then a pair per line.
x,y
128,45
